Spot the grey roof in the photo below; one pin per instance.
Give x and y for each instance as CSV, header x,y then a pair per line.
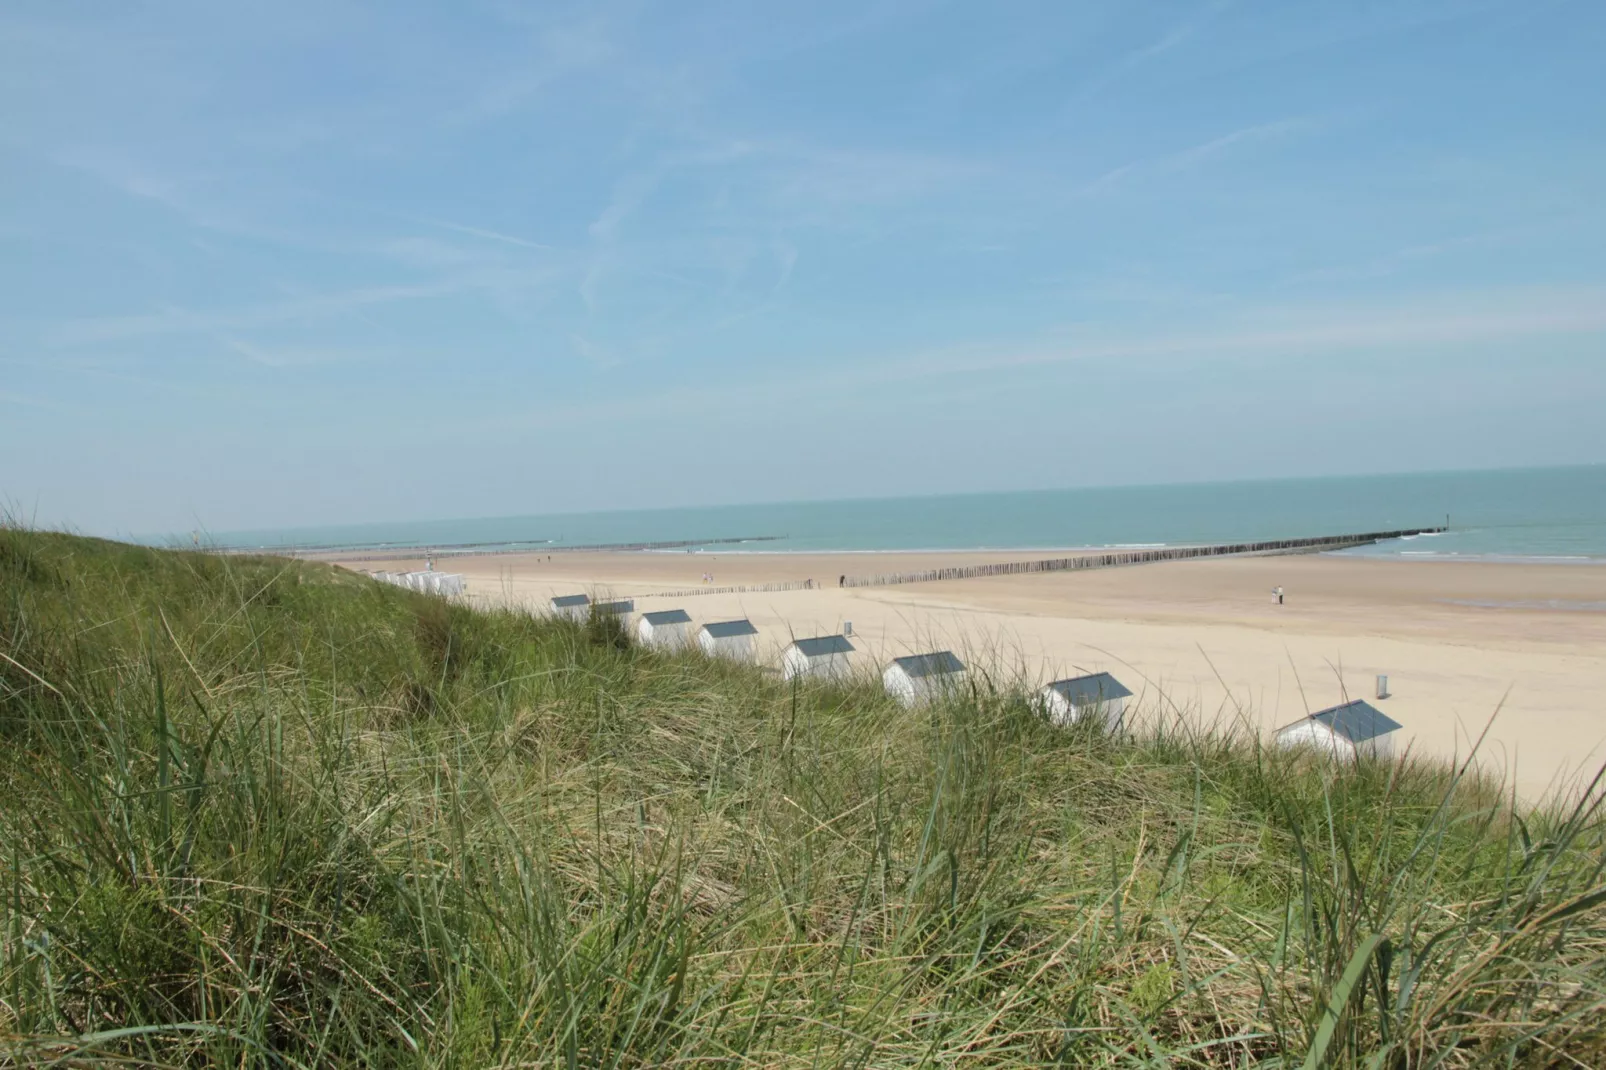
x,y
939,664
724,629
625,606
1095,687
822,645
667,616
564,601
1356,721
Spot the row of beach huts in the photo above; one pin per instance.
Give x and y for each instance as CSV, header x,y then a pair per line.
x,y
1346,731
428,581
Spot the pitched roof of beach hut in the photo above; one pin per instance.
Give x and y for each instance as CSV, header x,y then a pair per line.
x,y
564,601
621,606
821,645
726,629
1356,721
938,664
1095,687
667,616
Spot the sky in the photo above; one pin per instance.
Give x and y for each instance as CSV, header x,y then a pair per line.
x,y
287,263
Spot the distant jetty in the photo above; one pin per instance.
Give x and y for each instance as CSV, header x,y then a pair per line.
x,y
1314,545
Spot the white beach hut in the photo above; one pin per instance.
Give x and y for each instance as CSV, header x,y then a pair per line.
x,y
622,608
667,629
1096,695
922,677
1345,732
823,657
727,639
572,606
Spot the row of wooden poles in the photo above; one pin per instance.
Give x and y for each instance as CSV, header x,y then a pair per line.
x,y
1316,544
1133,557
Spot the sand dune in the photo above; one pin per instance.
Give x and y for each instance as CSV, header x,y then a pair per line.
x,y
1458,640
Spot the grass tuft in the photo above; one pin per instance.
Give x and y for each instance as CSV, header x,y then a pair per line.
x,y
260,812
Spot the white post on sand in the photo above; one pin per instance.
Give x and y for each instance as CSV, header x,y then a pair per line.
x,y
1382,685
847,627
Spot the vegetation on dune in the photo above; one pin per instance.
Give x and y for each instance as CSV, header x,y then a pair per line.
x,y
268,813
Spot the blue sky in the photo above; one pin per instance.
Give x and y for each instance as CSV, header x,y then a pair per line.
x,y
286,263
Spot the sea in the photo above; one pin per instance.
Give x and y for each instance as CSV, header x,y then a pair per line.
x,y
1554,515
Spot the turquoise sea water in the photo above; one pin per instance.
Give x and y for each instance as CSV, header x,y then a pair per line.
x,y
1556,514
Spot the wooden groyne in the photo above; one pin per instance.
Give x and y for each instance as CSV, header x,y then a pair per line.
x,y
1314,545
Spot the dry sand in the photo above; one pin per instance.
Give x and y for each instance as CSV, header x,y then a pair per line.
x,y
1458,640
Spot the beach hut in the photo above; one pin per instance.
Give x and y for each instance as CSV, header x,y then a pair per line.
x,y
1096,695
449,583
572,606
823,657
1345,732
614,609
922,677
426,582
727,639
668,629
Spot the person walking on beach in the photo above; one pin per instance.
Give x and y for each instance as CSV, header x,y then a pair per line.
x,y
1278,591
842,581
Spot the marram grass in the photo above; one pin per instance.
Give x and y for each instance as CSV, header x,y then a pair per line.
x,y
260,813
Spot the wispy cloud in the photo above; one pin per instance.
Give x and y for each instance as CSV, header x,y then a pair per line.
x,y
813,178
591,282
597,354
1205,150
1135,59
180,193
1177,34
1294,334
198,198
487,234
560,51
175,320
1402,258
629,193
747,192
423,252
291,356
1194,155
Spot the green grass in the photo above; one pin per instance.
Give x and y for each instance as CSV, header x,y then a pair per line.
x,y
255,812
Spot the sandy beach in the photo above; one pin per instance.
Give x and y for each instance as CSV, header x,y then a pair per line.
x,y
1458,640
